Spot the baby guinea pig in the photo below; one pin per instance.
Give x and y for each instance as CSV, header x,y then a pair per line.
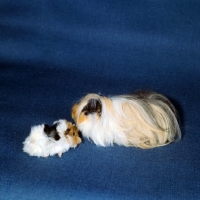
x,y
45,140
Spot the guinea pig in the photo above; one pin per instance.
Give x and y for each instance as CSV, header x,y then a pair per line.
x,y
143,119
45,140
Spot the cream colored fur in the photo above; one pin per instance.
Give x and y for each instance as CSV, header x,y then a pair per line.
x,y
146,120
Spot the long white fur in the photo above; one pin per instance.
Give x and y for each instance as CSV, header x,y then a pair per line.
x,y
39,144
129,121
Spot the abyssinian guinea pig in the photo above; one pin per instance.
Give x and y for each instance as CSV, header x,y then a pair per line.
x,y
45,140
143,119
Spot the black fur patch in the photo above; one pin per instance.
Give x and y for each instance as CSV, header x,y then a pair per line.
x,y
93,106
51,131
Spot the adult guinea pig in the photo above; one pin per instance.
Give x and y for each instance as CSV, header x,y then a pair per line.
x,y
143,119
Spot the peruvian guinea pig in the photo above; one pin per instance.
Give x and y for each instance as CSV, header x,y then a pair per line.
x,y
45,140
143,119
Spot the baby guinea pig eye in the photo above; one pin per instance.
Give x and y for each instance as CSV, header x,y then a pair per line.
x,y
67,131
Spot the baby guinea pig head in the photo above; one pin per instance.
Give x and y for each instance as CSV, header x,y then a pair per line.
x,y
72,134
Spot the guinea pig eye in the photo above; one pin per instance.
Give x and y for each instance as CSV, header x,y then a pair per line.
x,y
67,131
73,134
86,113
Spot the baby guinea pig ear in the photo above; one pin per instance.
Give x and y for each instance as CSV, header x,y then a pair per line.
x,y
69,128
51,131
46,128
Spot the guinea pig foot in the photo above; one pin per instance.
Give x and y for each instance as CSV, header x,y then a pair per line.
x,y
60,154
45,156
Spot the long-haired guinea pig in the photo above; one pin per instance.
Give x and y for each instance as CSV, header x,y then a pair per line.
x,y
144,119
45,140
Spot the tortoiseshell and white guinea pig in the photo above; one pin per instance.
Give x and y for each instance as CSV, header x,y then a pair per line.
x,y
144,119
45,140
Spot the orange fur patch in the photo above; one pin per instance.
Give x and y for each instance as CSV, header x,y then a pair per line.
x,y
73,132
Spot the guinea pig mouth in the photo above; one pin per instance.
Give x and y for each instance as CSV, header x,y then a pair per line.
x,y
93,106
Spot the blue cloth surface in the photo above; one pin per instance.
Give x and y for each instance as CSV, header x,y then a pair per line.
x,y
54,52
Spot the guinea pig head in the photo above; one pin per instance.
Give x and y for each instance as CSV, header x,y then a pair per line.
x,y
82,111
73,132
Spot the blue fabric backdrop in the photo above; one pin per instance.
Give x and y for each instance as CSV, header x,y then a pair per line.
x,y
54,52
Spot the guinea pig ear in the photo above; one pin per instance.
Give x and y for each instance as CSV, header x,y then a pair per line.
x,y
93,106
46,128
97,105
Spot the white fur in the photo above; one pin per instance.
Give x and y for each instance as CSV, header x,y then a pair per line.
x,y
39,144
129,121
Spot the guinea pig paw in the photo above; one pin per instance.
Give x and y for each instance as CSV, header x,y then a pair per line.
x,y
60,154
45,156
